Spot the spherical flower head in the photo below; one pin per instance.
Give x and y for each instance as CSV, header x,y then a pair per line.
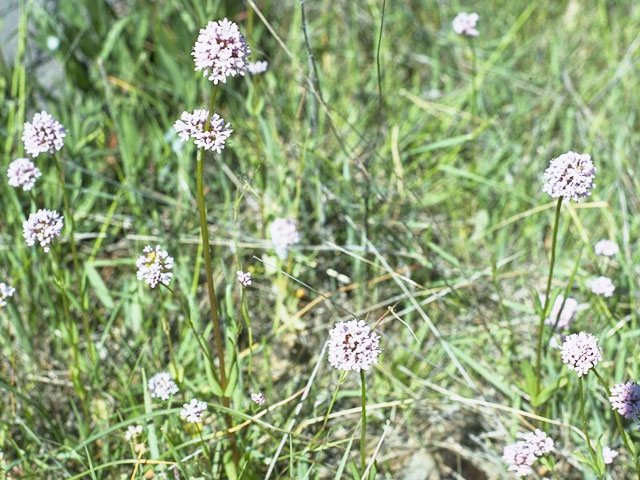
x,y
192,411
256,68
465,24
608,454
154,266
580,352
221,51
570,176
244,278
132,432
258,398
162,386
607,248
567,314
602,286
353,346
43,134
519,456
23,173
284,234
6,291
625,398
539,442
191,125
42,226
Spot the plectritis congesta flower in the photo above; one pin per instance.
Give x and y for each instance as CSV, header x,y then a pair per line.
x,y
580,352
566,316
42,226
256,68
221,51
570,176
465,24
353,346
154,266
284,234
602,286
162,386
625,398
607,248
191,125
6,291
192,411
23,173
43,134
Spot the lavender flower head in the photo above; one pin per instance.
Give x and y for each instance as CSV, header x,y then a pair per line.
x,y
132,432
258,398
256,68
154,266
43,134
567,314
607,248
162,386
570,176
192,411
284,234
191,125
244,278
221,51
625,398
23,173
6,291
353,346
465,24
42,226
580,352
519,456
608,454
602,286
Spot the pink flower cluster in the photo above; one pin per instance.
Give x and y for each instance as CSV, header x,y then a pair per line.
x,y
353,346
521,455
465,24
6,291
191,125
42,226
580,352
625,398
23,173
221,51
564,317
570,176
154,266
43,134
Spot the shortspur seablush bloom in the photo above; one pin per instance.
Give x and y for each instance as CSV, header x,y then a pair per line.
x,y
191,125
625,398
284,234
221,51
192,411
580,352
42,226
258,398
132,432
43,134
521,455
154,266
608,454
608,248
256,68
570,176
567,314
602,286
23,173
162,386
353,346
465,24
244,278
6,291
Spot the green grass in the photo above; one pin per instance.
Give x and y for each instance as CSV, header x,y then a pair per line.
x,y
425,208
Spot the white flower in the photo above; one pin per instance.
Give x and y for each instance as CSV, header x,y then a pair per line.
x,y
244,278
132,432
256,68
465,24
192,411
162,386
608,248
154,266
602,286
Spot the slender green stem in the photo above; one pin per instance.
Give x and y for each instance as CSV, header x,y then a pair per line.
x,y
547,295
623,433
167,334
584,424
213,302
474,99
363,462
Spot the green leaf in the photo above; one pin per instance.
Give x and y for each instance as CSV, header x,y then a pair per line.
x,y
100,289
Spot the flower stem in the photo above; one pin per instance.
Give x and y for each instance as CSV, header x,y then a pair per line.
x,y
584,423
623,433
213,302
547,294
363,463
474,99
